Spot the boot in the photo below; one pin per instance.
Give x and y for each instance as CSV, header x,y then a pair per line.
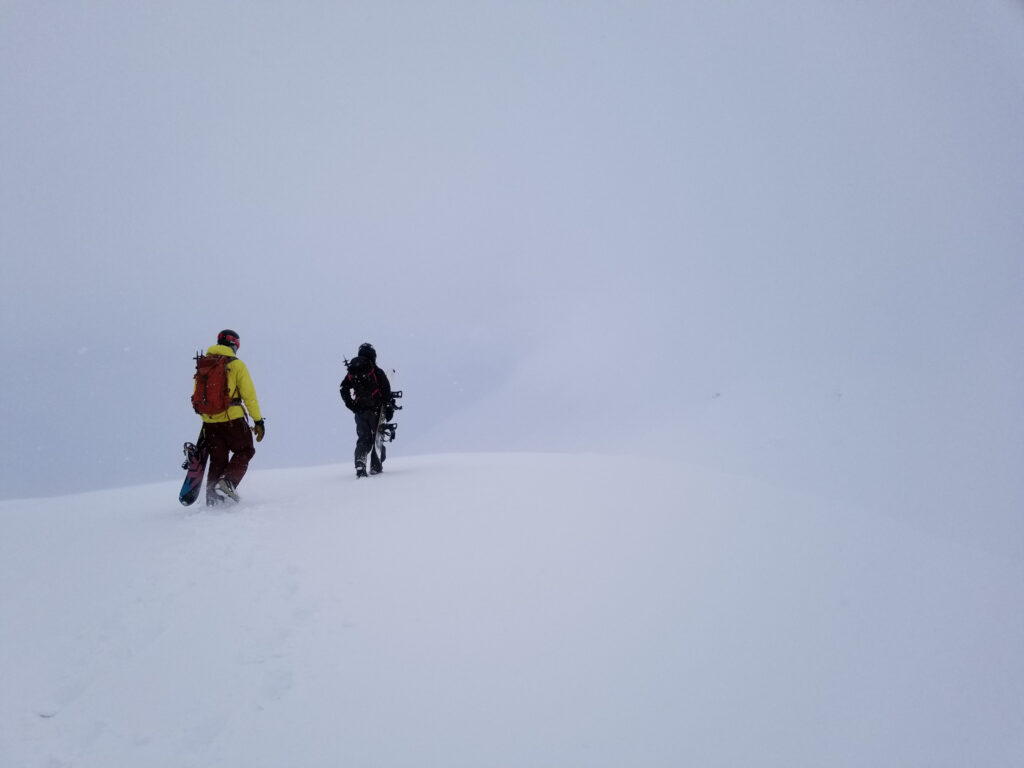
x,y
226,487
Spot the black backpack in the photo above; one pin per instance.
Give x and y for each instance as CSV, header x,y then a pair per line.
x,y
362,378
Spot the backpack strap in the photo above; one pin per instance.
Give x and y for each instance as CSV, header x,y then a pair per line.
x,y
235,400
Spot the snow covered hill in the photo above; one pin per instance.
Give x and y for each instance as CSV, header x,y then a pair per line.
x,y
516,610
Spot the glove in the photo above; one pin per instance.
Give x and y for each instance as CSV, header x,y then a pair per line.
x,y
389,413
259,429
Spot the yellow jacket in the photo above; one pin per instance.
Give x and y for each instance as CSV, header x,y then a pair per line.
x,y
239,387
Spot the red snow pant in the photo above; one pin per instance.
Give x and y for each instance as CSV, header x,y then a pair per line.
x,y
230,446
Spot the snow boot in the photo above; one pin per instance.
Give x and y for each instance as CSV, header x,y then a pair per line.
x,y
226,487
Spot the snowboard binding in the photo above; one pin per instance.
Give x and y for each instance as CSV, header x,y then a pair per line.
x,y
190,454
386,430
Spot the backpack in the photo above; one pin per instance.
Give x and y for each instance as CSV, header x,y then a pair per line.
x,y
211,395
362,380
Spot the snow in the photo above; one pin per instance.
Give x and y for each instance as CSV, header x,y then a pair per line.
x,y
504,609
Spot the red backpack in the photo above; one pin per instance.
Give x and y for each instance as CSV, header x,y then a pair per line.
x,y
211,393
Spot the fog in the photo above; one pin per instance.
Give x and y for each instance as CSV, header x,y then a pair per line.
x,y
764,238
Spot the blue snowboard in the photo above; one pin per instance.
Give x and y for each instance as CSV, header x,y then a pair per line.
x,y
194,466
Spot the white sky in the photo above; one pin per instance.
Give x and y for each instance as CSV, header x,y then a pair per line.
x,y
764,237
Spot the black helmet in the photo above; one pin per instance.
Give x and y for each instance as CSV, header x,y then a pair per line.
x,y
366,350
229,339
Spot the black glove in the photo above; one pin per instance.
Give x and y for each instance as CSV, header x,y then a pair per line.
x,y
389,413
259,429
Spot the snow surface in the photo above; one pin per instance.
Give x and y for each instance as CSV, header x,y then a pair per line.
x,y
500,610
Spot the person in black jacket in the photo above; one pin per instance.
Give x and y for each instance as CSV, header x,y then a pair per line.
x,y
367,393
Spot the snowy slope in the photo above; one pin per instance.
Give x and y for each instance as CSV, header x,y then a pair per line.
x,y
499,610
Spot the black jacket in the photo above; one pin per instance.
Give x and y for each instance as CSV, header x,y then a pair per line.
x,y
365,387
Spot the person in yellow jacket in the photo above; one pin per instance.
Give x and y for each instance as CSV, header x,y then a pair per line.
x,y
228,437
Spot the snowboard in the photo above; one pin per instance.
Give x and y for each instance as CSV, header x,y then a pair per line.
x,y
385,432
194,466
378,453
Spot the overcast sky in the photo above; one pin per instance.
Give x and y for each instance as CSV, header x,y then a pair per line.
x,y
754,235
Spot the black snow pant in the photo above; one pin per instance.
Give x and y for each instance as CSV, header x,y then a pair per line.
x,y
366,433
